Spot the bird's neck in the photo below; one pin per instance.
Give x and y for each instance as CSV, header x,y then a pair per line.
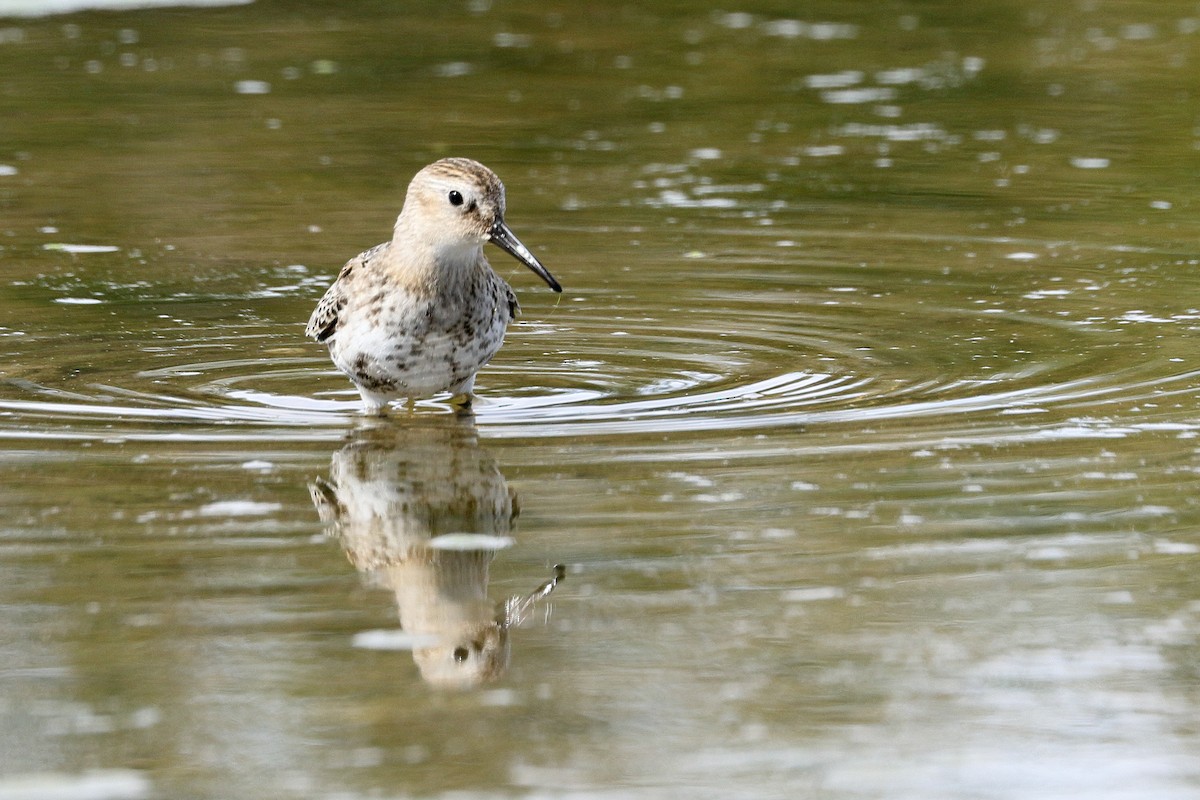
x,y
419,259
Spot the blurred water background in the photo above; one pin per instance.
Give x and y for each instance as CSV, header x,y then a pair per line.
x,y
865,428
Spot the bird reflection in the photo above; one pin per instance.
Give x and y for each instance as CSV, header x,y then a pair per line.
x,y
423,509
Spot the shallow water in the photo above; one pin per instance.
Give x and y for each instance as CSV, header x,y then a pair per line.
x,y
864,429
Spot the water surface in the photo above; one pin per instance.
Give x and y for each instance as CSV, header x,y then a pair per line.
x,y
864,429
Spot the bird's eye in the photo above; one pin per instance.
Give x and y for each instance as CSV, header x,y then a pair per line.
x,y
456,198
461,654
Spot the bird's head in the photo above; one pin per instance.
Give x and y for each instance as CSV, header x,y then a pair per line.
x,y
457,205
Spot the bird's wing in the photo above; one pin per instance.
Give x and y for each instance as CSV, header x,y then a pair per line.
x,y
514,308
324,320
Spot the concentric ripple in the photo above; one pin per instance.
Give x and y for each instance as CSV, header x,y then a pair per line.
x,y
799,350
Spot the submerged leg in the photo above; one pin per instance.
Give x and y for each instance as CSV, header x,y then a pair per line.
x,y
373,404
461,394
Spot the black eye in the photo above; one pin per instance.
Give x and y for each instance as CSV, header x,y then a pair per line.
x,y
456,198
460,653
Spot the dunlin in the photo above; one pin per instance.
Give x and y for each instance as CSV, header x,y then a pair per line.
x,y
422,313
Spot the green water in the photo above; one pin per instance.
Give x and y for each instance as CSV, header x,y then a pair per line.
x,y
865,427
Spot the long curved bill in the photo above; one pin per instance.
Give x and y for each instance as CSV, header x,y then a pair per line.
x,y
507,241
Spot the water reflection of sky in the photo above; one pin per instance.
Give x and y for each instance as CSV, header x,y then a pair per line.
x,y
38,8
